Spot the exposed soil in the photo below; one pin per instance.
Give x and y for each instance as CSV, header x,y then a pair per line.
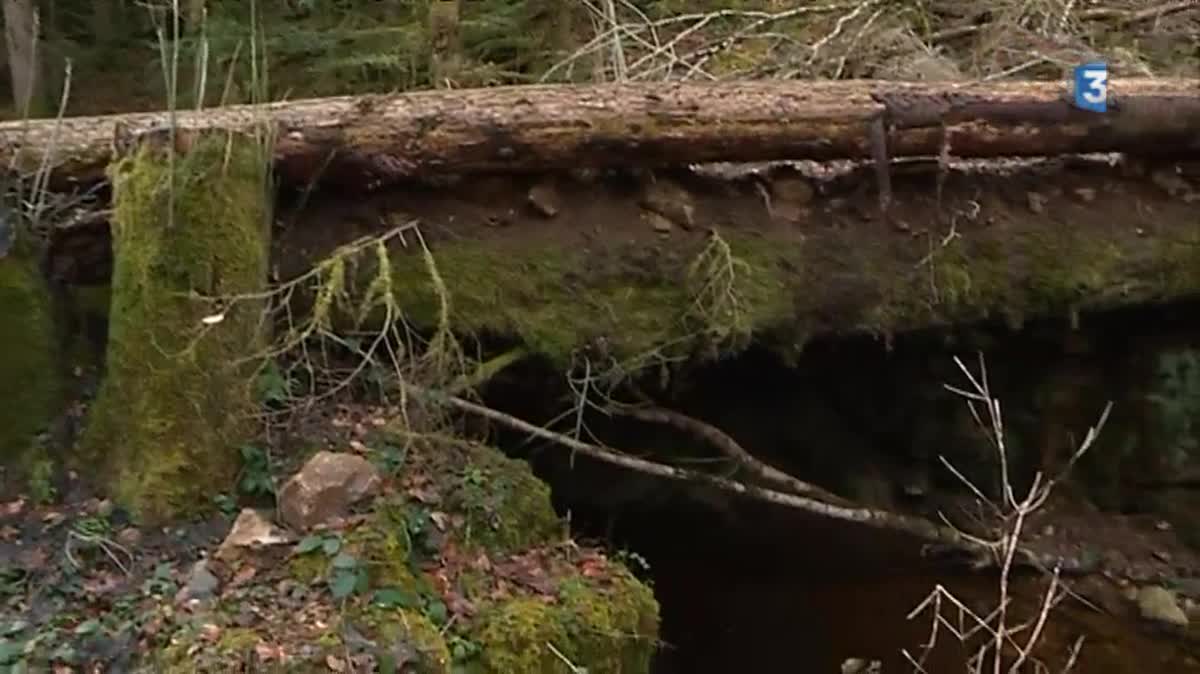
x,y
1014,239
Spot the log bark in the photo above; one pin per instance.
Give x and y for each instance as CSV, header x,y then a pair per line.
x,y
375,138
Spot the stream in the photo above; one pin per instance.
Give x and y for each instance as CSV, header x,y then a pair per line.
x,y
775,592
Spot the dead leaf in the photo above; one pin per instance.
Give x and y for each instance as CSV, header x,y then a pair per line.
x,y
13,507
210,632
441,519
265,652
428,496
358,447
31,558
335,663
243,575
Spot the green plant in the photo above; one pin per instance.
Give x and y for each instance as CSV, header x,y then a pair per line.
x,y
347,573
1177,397
256,478
41,482
273,386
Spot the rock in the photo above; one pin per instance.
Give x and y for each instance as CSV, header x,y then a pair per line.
x,y
1037,202
1171,182
1086,194
129,537
325,488
861,666
543,199
1159,604
670,201
792,189
658,222
251,531
201,583
1191,608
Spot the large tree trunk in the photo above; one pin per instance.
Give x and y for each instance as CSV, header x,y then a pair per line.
x,y
370,139
175,402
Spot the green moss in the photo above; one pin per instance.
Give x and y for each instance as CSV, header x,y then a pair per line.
x,y
507,507
1033,273
637,299
605,629
237,640
390,628
379,542
174,405
630,300
30,381
383,544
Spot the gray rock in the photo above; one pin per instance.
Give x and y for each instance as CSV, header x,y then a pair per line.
x,y
325,488
1159,604
658,222
669,200
792,189
201,583
1171,182
861,666
543,199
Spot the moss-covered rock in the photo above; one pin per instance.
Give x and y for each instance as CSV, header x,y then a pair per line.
x,y
409,632
605,629
506,507
30,377
493,509
174,404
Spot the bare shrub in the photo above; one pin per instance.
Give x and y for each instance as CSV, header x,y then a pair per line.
x,y
995,636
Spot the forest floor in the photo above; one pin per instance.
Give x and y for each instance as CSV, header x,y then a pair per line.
x,y
84,589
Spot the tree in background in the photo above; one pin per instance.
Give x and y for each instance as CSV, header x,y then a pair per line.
x,y
21,33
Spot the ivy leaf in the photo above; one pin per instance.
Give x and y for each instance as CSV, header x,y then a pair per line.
x,y
308,544
437,612
342,585
345,561
87,627
10,651
331,546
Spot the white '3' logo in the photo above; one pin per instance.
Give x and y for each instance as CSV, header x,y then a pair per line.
x,y
1097,86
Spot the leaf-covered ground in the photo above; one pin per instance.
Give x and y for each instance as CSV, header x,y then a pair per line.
x,y
455,567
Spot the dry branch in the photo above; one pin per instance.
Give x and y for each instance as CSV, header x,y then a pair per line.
x,y
367,139
732,449
921,528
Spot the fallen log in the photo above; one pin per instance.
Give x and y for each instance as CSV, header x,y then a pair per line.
x,y
378,138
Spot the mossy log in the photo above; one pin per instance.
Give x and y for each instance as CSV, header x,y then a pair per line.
x,y
175,403
376,138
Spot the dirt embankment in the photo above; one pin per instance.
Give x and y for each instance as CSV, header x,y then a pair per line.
x,y
562,261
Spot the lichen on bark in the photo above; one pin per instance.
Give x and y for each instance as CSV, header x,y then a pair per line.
x,y
174,403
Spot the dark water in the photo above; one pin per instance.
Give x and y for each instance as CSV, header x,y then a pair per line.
x,y
780,593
